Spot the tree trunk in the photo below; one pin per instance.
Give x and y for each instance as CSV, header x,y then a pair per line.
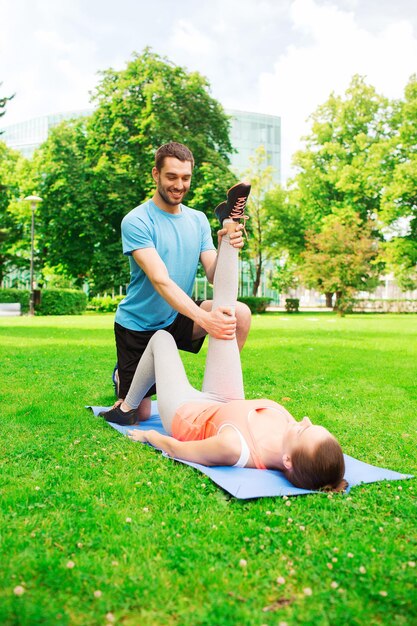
x,y
329,298
336,304
257,280
2,268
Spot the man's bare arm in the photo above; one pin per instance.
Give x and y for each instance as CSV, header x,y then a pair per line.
x,y
216,323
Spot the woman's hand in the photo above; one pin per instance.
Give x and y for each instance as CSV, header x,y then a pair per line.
x,y
138,435
223,449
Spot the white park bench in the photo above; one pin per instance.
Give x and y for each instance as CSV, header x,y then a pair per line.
x,y
9,309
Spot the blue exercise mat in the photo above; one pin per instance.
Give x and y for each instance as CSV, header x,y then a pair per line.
x,y
246,483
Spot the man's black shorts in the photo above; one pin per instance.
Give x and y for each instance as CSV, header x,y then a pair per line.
x,y
131,344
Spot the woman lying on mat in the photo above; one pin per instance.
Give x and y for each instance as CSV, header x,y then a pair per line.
x,y
217,426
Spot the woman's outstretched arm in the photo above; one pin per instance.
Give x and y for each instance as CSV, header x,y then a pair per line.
x,y
221,449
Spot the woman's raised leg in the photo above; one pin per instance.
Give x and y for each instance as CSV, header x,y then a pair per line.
x,y
223,374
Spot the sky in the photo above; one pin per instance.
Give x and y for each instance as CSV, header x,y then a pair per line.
x,y
282,57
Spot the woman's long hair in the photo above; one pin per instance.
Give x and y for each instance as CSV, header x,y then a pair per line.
x,y
323,469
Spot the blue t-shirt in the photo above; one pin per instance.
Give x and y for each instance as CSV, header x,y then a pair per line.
x,y
179,240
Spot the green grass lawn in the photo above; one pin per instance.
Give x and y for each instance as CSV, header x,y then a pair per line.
x,y
97,529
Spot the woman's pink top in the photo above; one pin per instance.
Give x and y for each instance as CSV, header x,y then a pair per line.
x,y
200,420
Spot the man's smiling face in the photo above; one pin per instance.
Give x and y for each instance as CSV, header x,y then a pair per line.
x,y
173,181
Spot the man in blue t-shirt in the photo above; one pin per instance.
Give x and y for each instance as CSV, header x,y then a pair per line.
x,y
165,240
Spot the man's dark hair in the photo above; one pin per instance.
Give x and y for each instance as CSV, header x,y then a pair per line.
x,y
173,149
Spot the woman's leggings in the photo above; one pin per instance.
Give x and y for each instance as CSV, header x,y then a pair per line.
x,y
161,361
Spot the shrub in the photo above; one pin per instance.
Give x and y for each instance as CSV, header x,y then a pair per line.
x,y
292,305
105,304
16,295
256,305
62,302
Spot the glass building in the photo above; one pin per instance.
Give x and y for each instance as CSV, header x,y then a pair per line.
x,y
251,130
29,135
248,132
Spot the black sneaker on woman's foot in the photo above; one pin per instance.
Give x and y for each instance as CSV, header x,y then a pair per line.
x,y
234,208
117,416
236,200
221,212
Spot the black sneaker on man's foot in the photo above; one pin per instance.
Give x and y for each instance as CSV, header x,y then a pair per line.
x,y
117,416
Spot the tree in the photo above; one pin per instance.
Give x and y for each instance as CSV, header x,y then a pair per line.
x,y
91,172
341,258
261,226
287,239
138,109
72,226
285,276
398,213
340,169
15,215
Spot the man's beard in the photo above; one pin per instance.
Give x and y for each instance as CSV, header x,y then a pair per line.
x,y
165,197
